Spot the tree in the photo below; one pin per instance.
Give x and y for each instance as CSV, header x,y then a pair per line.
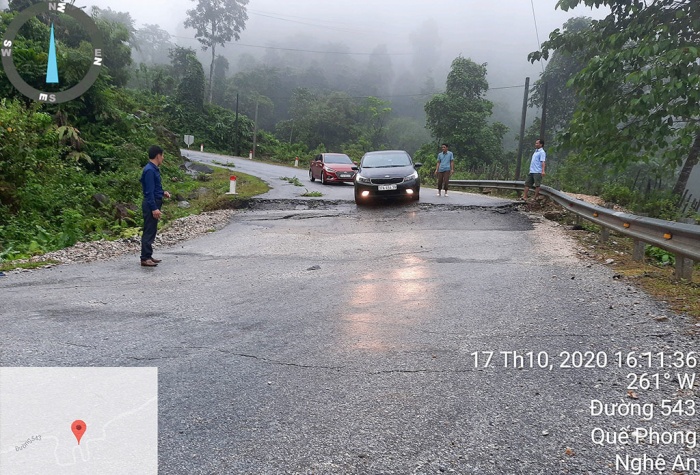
x,y
639,92
561,98
219,84
459,116
152,44
374,114
327,119
216,22
190,91
118,31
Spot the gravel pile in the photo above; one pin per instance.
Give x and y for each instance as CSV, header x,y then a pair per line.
x,y
177,231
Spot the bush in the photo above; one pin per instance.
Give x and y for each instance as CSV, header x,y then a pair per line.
x,y
617,193
662,205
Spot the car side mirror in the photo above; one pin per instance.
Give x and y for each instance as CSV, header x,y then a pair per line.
x,y
417,165
354,167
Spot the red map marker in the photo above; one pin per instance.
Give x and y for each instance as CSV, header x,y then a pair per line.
x,y
78,427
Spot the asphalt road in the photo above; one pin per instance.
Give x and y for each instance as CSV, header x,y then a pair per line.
x,y
332,339
282,189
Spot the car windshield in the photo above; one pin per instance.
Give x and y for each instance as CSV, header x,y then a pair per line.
x,y
338,159
389,159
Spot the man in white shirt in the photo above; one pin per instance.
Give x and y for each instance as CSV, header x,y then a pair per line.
x,y
537,167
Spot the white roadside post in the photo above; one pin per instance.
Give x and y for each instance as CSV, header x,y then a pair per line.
x,y
296,162
232,190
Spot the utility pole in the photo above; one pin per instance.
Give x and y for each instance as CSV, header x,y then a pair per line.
x,y
522,129
543,123
238,135
255,127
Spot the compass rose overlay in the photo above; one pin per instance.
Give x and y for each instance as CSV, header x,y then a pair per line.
x,y
52,76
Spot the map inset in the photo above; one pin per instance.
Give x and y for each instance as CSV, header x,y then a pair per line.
x,y
78,421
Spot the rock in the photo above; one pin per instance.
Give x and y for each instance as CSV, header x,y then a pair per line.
x,y
183,204
124,212
609,261
101,199
314,268
198,168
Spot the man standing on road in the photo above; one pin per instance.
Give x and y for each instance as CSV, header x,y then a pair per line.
x,y
537,166
152,201
444,168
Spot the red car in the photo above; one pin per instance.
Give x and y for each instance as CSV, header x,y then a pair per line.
x,y
332,168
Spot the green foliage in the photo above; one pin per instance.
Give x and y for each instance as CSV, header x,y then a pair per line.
x,y
563,65
190,91
323,118
617,193
116,29
660,204
660,256
293,180
640,89
460,117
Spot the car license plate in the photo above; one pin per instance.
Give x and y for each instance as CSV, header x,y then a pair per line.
x,y
345,175
387,187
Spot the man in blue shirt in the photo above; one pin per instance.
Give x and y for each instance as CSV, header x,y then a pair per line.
x,y
444,168
537,166
152,201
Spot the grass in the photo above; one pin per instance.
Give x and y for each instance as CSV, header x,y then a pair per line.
x,y
9,265
202,194
224,164
293,180
210,194
312,194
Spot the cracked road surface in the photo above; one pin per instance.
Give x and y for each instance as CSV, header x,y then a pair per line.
x,y
341,340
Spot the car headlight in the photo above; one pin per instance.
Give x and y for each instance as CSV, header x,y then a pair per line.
x,y
362,179
412,176
330,170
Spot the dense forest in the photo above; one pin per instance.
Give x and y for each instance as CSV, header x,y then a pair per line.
x,y
621,113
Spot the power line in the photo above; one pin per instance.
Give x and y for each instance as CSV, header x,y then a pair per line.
x,y
408,95
537,33
349,53
316,25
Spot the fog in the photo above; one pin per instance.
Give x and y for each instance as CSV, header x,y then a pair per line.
x,y
500,33
416,39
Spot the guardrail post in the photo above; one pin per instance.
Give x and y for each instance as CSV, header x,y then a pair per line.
x,y
605,232
684,265
639,250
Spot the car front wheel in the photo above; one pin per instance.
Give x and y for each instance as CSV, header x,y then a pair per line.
x,y
323,178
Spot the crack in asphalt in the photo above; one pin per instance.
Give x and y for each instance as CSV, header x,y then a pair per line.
x,y
298,216
266,360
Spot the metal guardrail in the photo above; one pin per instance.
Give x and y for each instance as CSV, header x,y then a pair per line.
x,y
681,239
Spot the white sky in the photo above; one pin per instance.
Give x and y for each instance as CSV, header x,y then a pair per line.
x,y
500,32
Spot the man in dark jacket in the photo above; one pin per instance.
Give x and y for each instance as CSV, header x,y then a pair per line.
x,y
152,201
